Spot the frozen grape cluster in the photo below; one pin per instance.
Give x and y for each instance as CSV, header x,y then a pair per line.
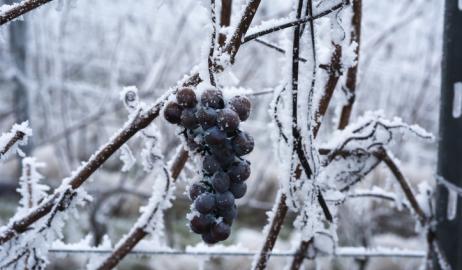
x,y
211,130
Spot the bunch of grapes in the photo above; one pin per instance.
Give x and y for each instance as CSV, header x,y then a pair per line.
x,y
211,129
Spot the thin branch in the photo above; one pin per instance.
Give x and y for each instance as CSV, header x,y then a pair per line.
x,y
211,62
236,40
18,136
275,47
334,71
344,252
293,23
138,233
20,9
407,190
225,19
352,72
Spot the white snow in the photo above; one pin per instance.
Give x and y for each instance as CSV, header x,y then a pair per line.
x,y
457,100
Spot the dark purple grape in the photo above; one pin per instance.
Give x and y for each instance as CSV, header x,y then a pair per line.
x,y
189,119
213,98
207,117
205,203
228,120
220,181
238,189
223,153
197,189
172,112
242,144
201,223
220,231
214,136
239,171
224,200
210,165
241,105
228,214
209,238
186,97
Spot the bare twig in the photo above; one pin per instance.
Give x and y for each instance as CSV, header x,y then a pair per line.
x,y
236,40
138,233
296,22
352,72
225,19
20,9
18,136
211,62
407,190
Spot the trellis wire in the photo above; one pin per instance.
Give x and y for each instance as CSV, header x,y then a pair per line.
x,y
346,252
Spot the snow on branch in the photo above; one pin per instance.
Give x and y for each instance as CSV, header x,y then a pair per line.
x,y
12,12
18,135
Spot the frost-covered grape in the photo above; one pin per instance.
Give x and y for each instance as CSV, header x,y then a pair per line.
x,y
214,136
172,112
241,105
228,214
220,231
210,165
242,144
207,117
212,98
223,153
224,200
197,189
205,203
238,189
209,238
189,119
220,181
201,223
239,171
186,97
227,120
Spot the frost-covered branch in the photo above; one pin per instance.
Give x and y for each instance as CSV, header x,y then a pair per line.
x,y
11,12
296,22
236,40
344,252
352,72
17,135
210,60
145,223
405,186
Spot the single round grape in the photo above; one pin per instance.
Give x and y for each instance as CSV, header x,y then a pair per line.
x,y
242,144
186,97
238,189
227,120
205,203
220,181
228,214
210,165
212,98
197,189
201,223
239,171
209,238
214,136
172,112
241,105
224,200
220,231
207,117
223,153
189,119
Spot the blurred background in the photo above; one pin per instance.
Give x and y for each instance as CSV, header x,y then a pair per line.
x,y
62,68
